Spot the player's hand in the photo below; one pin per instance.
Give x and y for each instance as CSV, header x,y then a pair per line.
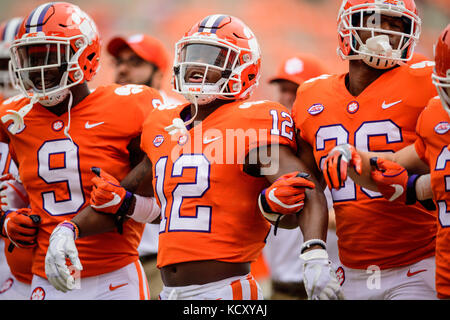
x,y
336,164
21,228
12,193
107,194
318,276
285,196
62,246
390,178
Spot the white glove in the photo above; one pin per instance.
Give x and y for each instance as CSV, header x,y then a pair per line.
x,y
12,195
62,246
318,276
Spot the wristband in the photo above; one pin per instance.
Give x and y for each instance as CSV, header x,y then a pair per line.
x,y
263,205
2,222
145,210
72,226
312,242
123,210
411,197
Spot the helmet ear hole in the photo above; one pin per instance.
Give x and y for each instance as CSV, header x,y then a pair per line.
x,y
91,56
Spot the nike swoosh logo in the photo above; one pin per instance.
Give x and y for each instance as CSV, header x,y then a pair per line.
x,y
273,198
398,191
206,140
92,125
388,105
112,288
116,200
410,274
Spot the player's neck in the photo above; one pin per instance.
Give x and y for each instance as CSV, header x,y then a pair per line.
x,y
79,92
207,109
360,76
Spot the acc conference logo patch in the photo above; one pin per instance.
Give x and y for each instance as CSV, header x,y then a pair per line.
x,y
442,127
316,109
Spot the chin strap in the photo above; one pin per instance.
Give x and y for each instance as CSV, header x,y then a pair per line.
x,y
69,107
178,125
17,116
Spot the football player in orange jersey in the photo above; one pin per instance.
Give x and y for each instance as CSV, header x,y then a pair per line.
x,y
208,175
374,107
430,152
58,131
15,276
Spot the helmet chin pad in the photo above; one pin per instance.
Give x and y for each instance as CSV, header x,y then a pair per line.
x,y
54,99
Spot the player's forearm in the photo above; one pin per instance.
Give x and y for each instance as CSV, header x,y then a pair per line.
x,y
313,220
91,222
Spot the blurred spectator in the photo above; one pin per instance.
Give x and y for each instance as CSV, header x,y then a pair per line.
x,y
142,59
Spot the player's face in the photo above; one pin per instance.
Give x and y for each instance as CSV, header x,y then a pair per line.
x,y
200,55
130,68
35,56
287,91
386,23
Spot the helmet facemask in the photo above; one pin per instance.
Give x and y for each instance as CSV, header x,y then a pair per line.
x,y
378,51
442,84
46,67
208,69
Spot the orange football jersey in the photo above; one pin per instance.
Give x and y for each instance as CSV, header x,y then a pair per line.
x,y
56,172
208,203
434,136
370,229
19,260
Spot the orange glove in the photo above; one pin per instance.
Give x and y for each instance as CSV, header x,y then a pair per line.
x,y
390,178
336,164
108,195
285,196
20,227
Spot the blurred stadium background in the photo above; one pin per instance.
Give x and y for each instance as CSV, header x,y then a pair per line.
x,y
283,27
